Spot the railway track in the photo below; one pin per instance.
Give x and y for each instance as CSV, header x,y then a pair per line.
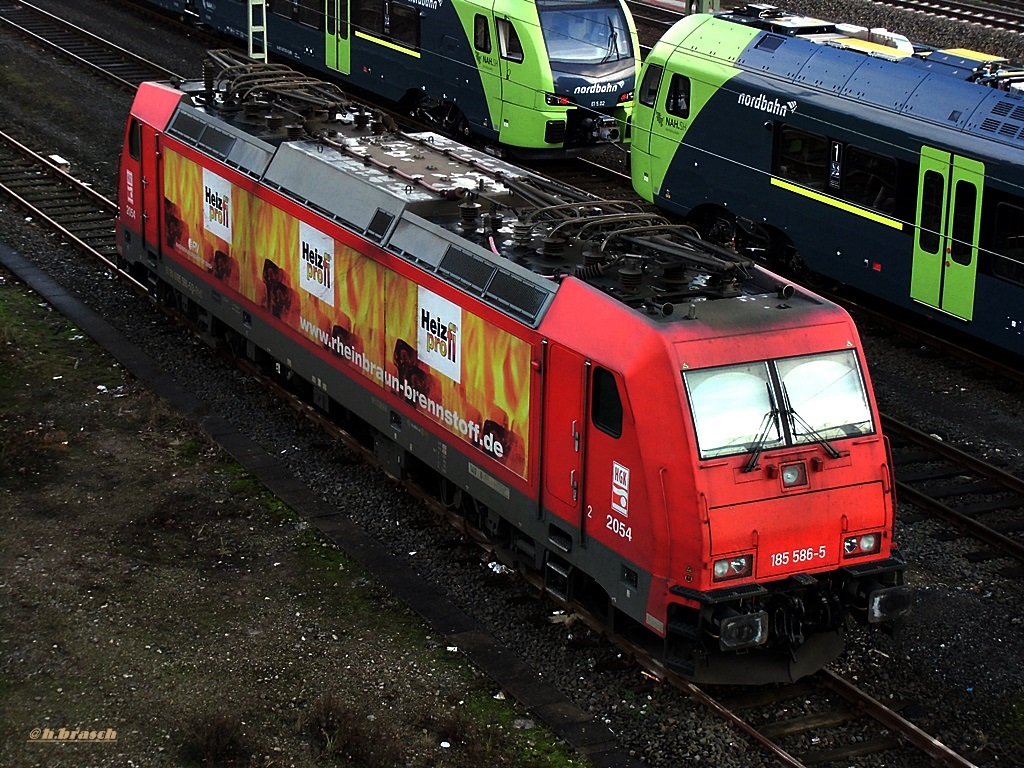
x,y
90,51
64,203
1006,15
979,500
87,218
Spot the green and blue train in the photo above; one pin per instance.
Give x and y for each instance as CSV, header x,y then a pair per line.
x,y
847,152
538,77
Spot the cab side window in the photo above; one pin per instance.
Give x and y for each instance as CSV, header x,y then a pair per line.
x,y
677,101
649,85
481,33
606,405
135,139
508,41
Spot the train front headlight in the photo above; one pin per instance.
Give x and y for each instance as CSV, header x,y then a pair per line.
x,y
862,544
553,100
794,475
735,567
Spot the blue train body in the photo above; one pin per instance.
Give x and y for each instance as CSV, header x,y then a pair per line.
x,y
851,153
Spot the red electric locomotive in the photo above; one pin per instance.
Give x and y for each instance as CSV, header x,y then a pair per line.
x,y
672,437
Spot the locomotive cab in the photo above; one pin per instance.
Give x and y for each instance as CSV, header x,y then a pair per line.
x,y
795,506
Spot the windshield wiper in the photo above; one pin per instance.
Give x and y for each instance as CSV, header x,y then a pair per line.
x,y
771,418
613,42
797,420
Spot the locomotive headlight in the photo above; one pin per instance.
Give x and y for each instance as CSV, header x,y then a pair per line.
x,y
733,567
557,101
794,475
863,544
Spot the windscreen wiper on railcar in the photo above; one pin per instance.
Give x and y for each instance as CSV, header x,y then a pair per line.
x,y
770,419
796,420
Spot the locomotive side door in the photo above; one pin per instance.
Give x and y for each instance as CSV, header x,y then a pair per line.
x,y
338,47
151,189
946,231
564,430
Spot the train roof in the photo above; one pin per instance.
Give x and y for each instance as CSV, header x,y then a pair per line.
x,y
873,66
503,234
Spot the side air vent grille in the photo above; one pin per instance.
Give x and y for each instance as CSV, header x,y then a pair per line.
x,y
493,285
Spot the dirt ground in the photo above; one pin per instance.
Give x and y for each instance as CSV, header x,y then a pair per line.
x,y
153,593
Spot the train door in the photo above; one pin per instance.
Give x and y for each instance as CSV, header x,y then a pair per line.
x,y
485,52
644,112
948,220
564,432
338,47
151,188
513,69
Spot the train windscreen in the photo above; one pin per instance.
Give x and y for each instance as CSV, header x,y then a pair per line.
x,y
584,32
753,407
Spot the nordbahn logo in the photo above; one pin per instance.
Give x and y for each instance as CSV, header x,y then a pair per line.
x,y
764,103
615,87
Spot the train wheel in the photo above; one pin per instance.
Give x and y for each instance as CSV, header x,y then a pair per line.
x,y
455,123
450,494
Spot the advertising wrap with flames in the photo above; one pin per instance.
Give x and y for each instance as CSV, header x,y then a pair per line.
x,y
468,376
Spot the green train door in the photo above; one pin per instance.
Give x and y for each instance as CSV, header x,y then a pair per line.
x,y
338,45
948,220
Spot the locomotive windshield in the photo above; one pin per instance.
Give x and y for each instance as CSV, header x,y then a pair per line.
x,y
584,32
774,403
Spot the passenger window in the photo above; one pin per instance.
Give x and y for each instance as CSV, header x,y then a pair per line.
x,y
481,34
802,158
965,209
677,101
1008,262
870,179
404,25
310,13
606,405
649,85
135,139
280,7
368,15
933,192
508,41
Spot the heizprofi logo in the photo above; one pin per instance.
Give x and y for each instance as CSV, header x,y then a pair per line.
x,y
439,337
316,263
216,205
